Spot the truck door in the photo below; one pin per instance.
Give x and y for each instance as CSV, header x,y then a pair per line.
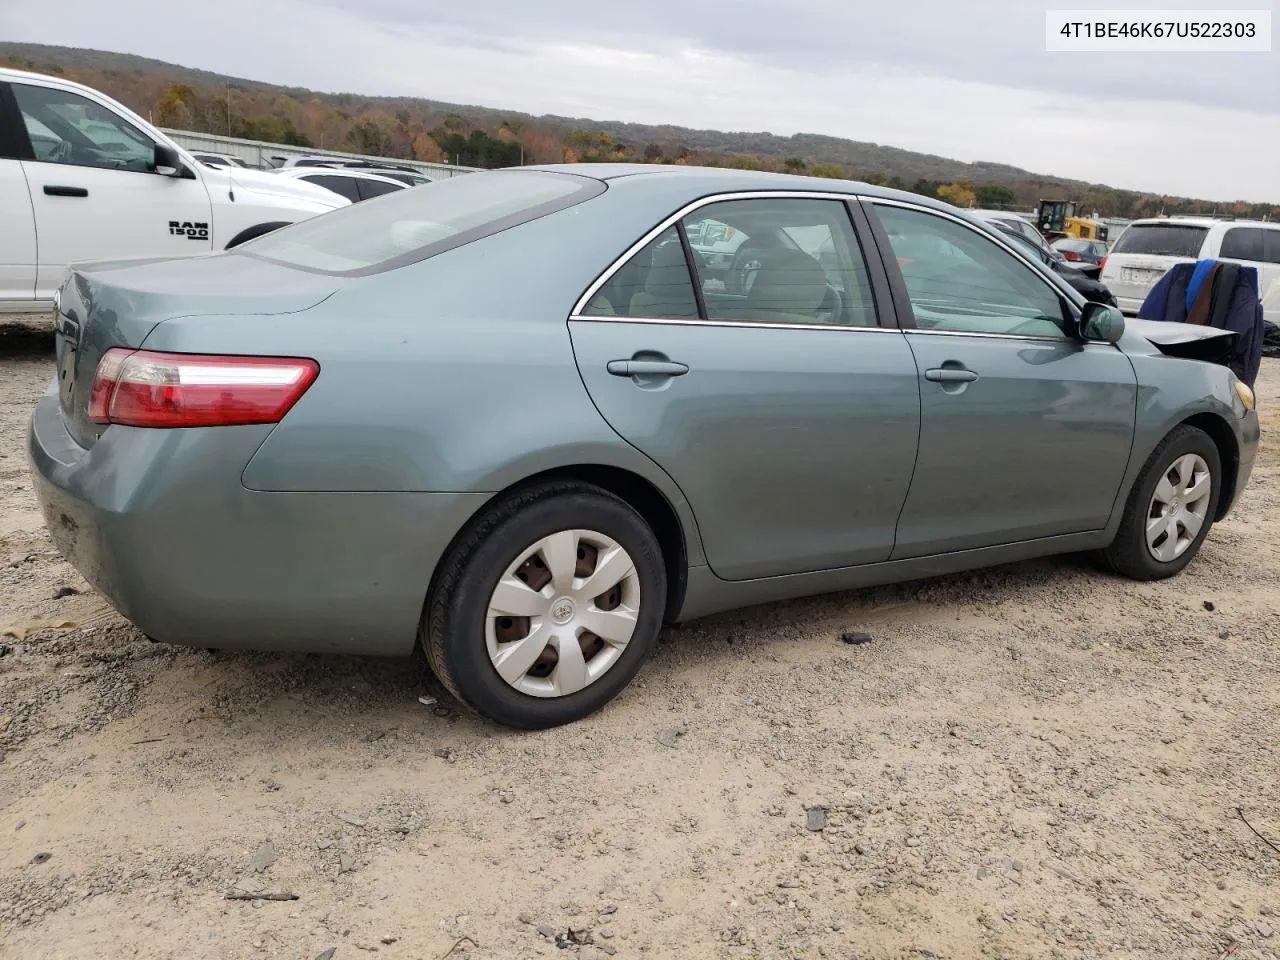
x,y
94,189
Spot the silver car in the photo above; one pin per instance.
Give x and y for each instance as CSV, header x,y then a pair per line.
x,y
518,419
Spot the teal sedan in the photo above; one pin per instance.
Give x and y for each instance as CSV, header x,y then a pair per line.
x,y
520,420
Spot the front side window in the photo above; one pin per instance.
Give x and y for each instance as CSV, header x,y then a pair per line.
x,y
67,128
959,280
790,261
367,238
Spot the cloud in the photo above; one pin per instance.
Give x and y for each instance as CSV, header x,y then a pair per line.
x,y
967,81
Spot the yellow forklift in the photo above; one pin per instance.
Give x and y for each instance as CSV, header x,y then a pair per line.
x,y
1056,219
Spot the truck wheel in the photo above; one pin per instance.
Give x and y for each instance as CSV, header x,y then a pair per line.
x,y
254,231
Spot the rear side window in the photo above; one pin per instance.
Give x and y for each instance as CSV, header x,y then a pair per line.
x,y
376,188
368,238
1244,243
346,186
654,283
1162,239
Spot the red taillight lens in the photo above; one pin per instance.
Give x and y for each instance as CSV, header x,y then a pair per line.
x,y
1070,255
139,388
1102,264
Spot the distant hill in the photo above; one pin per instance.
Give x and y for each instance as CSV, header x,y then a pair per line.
x,y
415,128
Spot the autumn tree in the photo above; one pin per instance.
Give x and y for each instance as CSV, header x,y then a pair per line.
x,y
957,194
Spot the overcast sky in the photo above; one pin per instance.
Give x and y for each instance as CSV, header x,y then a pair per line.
x,y
966,80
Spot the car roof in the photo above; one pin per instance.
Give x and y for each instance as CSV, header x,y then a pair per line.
x,y
298,173
711,180
1194,221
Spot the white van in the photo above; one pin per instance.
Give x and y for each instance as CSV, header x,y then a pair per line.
x,y
1148,248
84,178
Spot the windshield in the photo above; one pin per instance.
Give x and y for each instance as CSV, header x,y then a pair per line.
x,y
1162,239
410,225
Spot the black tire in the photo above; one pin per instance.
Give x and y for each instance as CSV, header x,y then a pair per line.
x,y
453,628
1128,554
252,233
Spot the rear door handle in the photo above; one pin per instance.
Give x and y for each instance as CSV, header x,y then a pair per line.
x,y
950,375
647,368
54,190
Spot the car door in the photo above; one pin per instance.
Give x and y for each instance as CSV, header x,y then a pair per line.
x,y
763,383
1025,431
94,190
17,220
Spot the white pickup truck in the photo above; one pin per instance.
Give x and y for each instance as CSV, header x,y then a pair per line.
x,y
84,178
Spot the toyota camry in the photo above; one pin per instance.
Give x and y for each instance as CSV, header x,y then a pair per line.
x,y
522,419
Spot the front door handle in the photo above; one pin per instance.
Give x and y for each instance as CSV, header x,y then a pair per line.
x,y
950,375
54,190
647,368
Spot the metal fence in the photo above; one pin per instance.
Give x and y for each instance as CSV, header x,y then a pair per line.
x,y
260,153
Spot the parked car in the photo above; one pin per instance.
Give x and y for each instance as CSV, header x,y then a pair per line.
x,y
1094,290
1081,251
509,418
93,180
1148,248
220,160
406,175
1011,221
355,185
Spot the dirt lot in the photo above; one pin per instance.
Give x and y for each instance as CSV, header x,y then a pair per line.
x,y
1034,761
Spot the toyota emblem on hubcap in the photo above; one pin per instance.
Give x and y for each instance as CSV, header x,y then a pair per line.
x,y
562,610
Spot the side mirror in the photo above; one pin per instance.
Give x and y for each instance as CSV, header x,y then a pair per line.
x,y
167,162
1101,323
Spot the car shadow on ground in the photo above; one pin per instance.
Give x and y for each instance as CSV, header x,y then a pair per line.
x,y
273,694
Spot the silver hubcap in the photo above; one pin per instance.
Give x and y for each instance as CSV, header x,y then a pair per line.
x,y
1179,507
563,613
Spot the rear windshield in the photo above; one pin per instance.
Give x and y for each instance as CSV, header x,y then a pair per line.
x,y
1075,246
1162,239
410,225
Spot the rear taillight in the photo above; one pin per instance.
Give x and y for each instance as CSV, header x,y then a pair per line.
x,y
139,388
1070,255
1102,264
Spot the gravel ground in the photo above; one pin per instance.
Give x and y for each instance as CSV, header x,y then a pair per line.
x,y
1032,761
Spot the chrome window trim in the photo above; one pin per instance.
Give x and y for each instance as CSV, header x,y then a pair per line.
x,y
688,208
744,324
1004,336
992,236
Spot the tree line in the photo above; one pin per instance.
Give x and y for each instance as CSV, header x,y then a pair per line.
x,y
407,128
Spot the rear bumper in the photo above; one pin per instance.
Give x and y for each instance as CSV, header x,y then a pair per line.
x,y
159,522
1129,306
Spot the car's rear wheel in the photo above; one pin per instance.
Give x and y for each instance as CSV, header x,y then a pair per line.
x,y
547,606
1170,508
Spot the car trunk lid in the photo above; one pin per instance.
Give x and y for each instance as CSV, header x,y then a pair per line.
x,y
118,303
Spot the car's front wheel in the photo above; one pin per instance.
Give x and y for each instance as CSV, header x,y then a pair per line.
x,y
1170,508
547,606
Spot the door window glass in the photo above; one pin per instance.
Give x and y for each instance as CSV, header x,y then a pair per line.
x,y
1271,245
344,186
959,280
791,261
376,188
1242,243
67,128
652,284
